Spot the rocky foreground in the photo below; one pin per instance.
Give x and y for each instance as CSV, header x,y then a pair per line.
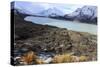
x,y
62,45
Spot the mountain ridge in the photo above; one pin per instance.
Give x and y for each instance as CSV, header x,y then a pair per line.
x,y
85,14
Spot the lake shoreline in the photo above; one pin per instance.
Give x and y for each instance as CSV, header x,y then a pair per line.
x,y
70,25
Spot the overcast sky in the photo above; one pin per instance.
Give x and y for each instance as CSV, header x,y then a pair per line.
x,y
38,7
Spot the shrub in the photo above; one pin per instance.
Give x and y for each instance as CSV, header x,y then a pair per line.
x,y
83,58
28,57
39,61
65,58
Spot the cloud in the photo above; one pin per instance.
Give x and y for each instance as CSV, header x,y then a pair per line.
x,y
38,7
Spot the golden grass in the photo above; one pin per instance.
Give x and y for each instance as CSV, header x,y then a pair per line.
x,y
83,58
30,57
68,58
39,61
64,58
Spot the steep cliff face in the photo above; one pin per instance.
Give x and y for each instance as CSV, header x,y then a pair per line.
x,y
85,14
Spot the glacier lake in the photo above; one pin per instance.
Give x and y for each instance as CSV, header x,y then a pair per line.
x,y
70,25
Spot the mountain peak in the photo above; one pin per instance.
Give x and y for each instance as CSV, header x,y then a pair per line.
x,y
84,14
51,12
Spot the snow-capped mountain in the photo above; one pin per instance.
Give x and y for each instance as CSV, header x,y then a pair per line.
x,y
52,12
61,11
41,9
86,13
36,9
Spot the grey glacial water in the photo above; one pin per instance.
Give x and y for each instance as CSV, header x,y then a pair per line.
x,y
70,25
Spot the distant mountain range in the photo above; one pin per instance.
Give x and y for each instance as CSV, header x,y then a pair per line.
x,y
51,11
87,14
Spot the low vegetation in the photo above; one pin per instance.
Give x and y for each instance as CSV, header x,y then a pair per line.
x,y
30,58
